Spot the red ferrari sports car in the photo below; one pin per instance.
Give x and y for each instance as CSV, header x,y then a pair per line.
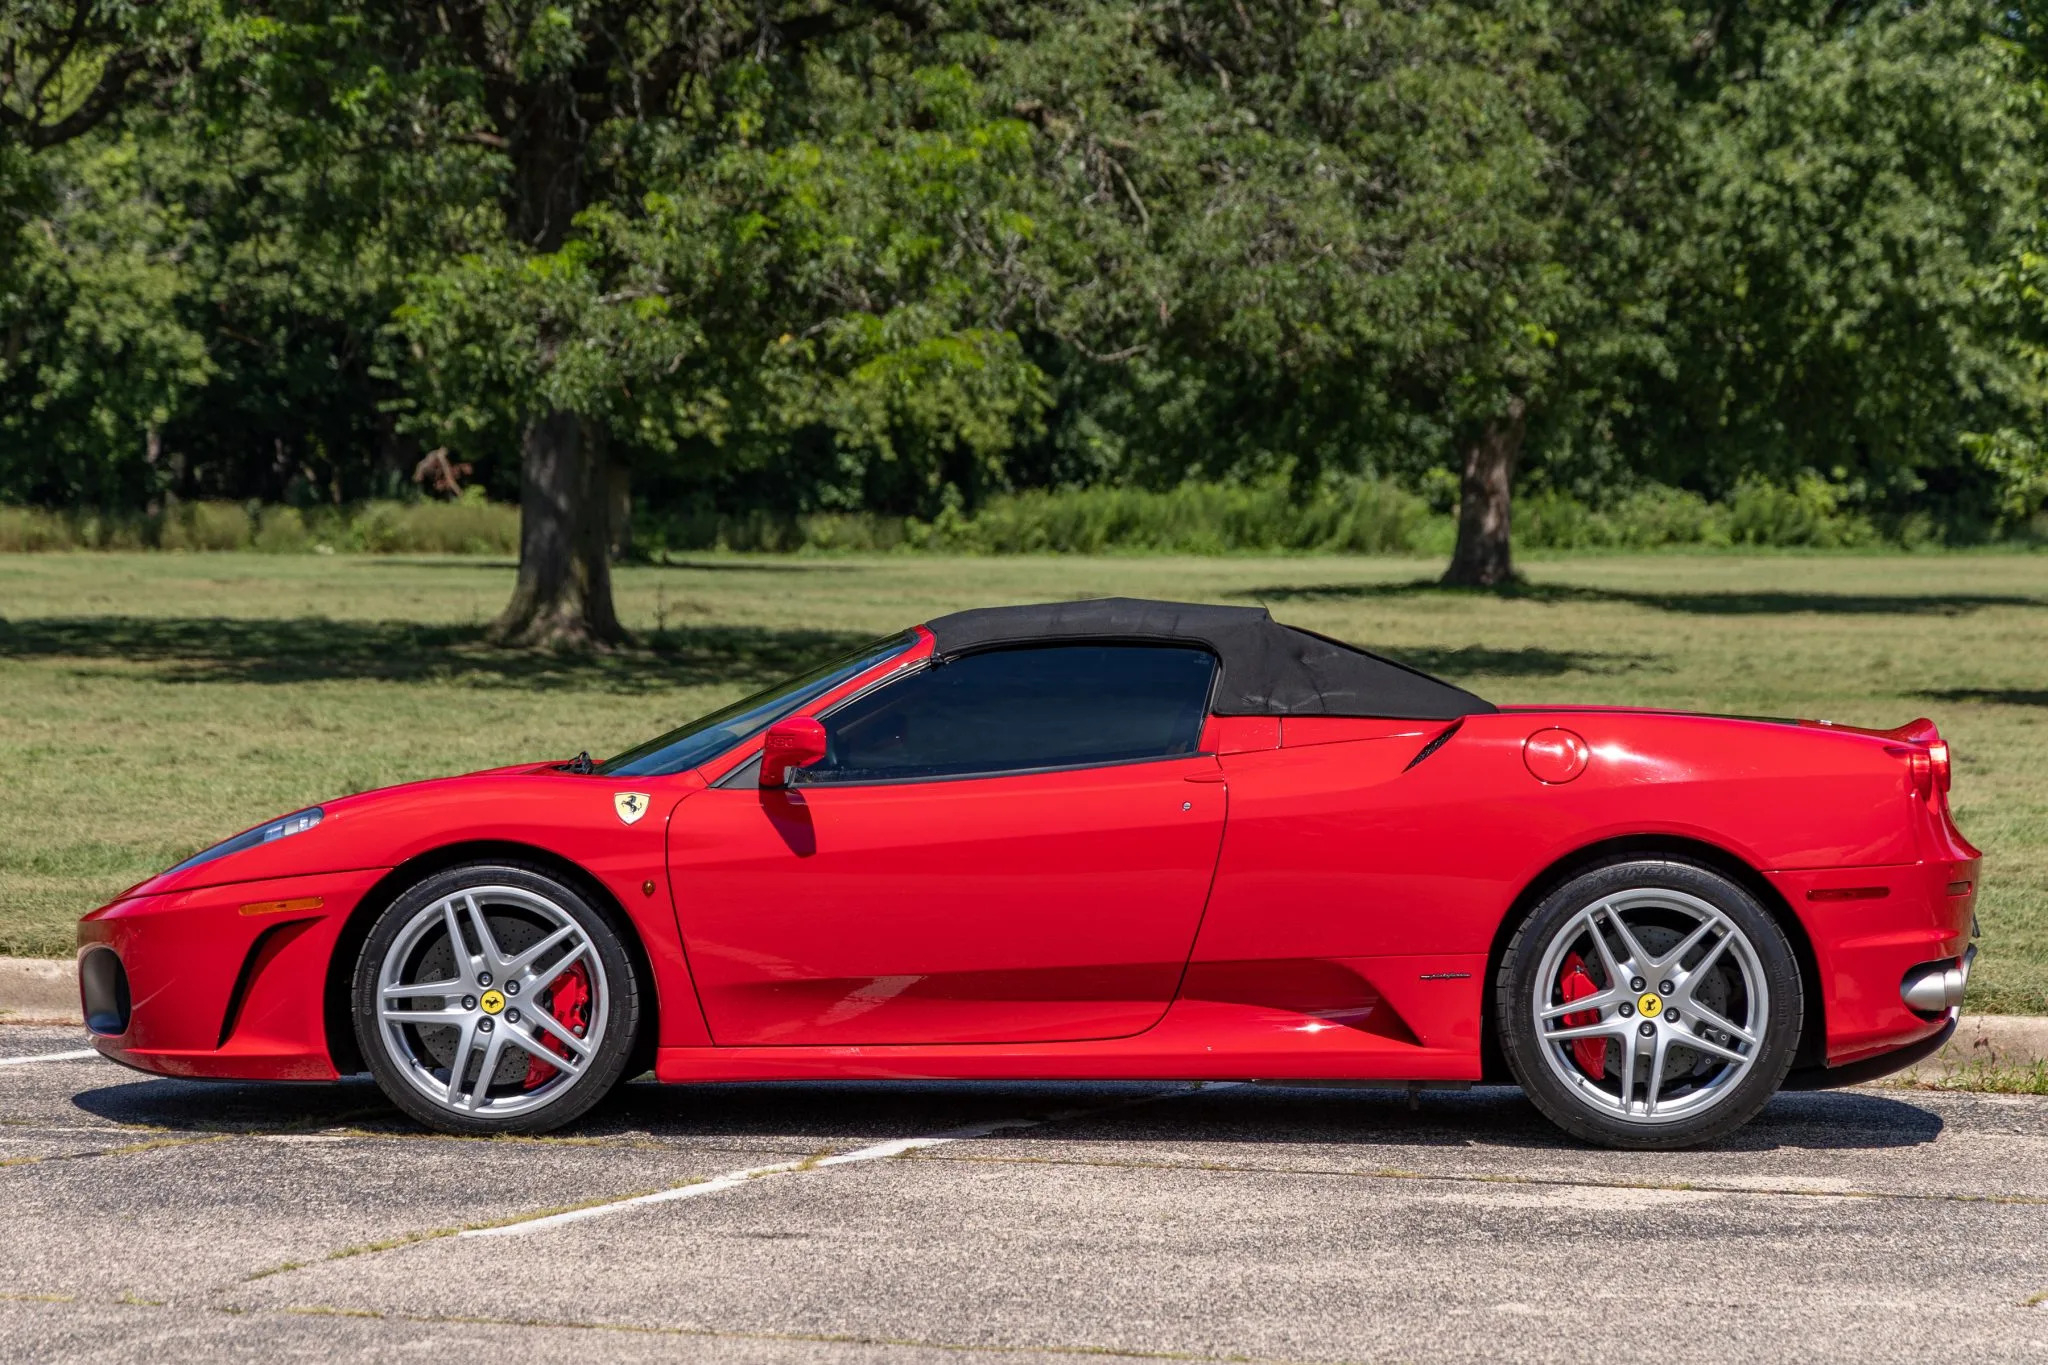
x,y
1108,839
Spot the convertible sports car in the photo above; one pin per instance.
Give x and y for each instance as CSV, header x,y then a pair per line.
x,y
1108,839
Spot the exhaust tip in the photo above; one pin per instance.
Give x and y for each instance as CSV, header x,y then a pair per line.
x,y
1937,987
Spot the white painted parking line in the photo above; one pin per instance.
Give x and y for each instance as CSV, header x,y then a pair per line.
x,y
80,1055
732,1180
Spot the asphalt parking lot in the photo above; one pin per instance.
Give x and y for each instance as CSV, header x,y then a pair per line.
x,y
161,1219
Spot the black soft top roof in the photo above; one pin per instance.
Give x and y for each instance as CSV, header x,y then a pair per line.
x,y
1269,669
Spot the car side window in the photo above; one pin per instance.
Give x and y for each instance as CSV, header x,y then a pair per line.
x,y
1022,709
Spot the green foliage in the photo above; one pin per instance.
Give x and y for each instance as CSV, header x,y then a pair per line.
x,y
1853,188
33,529
920,264
1645,519
1344,516
1352,516
172,329
1808,513
206,526
468,526
100,355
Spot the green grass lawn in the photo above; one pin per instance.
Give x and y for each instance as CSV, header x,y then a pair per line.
x,y
153,703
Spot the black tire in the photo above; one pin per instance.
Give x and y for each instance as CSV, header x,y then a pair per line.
x,y
1544,1069
407,1078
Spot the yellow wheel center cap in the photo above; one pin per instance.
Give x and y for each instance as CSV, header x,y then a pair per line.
x,y
1651,1004
494,1001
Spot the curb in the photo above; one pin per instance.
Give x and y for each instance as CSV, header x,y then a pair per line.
x,y
35,990
1983,1042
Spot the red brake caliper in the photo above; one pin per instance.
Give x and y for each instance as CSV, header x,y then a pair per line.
x,y
1576,984
569,1003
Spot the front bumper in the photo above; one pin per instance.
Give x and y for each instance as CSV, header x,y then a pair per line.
x,y
223,981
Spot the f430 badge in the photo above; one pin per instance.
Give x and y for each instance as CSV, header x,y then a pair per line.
x,y
630,805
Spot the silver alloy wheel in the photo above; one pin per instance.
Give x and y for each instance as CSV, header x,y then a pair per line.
x,y
1680,998
485,997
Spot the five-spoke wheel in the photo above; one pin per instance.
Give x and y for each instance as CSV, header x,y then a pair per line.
x,y
493,998
1649,1004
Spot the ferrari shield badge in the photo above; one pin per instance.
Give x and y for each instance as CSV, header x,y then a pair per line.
x,y
630,805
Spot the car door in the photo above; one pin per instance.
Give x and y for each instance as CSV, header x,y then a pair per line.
x,y
1012,846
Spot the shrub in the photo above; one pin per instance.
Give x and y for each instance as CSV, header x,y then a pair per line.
x,y
1348,516
1806,514
206,526
31,529
467,526
1356,516
1644,519
1659,515
281,530
113,531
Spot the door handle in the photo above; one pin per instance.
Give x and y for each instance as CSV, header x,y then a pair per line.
x,y
1205,777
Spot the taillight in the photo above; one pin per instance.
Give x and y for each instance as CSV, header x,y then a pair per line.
x,y
1928,764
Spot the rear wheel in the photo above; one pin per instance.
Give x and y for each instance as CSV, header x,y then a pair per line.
x,y
1649,1004
491,998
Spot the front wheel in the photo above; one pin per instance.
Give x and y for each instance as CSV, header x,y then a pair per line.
x,y
1649,1004
491,998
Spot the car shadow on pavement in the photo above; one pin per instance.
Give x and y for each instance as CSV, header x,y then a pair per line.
x,y
315,648
842,1113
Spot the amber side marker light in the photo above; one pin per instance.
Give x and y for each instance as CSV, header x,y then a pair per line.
x,y
282,907
1848,893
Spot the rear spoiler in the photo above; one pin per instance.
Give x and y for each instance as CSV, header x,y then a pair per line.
x,y
1918,742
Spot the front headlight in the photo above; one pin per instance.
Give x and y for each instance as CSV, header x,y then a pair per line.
x,y
297,823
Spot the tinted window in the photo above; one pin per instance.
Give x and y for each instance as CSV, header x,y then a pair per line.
x,y
706,737
1018,709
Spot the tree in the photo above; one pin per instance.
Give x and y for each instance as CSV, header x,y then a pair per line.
x,y
521,118
67,65
1848,266
902,255
1319,238
68,68
641,258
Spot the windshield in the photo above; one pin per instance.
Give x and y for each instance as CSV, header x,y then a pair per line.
x,y
709,736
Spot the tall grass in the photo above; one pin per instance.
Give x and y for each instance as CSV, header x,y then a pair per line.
x,y
1355,518
1359,516
1807,514
465,527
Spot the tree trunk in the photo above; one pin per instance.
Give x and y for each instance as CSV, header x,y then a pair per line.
x,y
1481,559
563,599
619,494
